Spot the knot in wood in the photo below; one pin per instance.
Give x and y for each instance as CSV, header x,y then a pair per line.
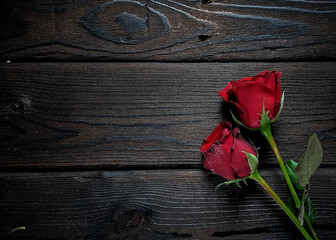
x,y
21,105
128,220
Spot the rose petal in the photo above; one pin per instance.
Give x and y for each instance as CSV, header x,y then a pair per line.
x,y
224,92
251,96
242,115
245,79
239,160
218,161
227,141
277,101
216,135
260,77
271,81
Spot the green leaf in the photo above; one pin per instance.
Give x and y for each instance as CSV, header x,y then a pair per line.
x,y
310,210
290,167
252,161
310,161
290,203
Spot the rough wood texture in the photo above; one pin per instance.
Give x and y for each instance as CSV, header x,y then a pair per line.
x,y
147,114
138,126
157,204
172,30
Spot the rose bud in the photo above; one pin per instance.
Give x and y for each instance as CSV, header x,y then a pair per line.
x,y
227,153
249,96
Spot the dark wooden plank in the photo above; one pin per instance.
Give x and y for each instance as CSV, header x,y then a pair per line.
x,y
173,30
148,114
153,204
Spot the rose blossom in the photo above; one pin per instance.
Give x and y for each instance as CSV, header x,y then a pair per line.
x,y
223,152
248,95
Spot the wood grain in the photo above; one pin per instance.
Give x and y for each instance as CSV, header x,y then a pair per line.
x,y
153,204
148,114
168,30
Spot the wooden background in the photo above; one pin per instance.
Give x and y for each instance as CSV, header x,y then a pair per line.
x,y
104,104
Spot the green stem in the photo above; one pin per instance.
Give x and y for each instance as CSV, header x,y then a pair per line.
x,y
275,149
266,132
256,176
310,226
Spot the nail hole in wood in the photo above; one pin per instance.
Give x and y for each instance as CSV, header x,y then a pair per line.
x,y
203,37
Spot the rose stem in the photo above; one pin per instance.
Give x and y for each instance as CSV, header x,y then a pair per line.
x,y
256,176
266,132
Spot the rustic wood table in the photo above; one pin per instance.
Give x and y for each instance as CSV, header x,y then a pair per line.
x,y
104,105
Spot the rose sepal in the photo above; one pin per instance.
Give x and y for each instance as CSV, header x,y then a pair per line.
x,y
265,124
253,163
236,181
264,119
282,101
239,123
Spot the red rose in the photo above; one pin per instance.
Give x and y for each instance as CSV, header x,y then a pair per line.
x,y
222,151
249,94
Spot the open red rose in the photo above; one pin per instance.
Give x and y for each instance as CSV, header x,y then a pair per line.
x,y
223,152
249,94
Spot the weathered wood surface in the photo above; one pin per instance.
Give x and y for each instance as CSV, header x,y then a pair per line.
x,y
153,204
168,30
129,122
148,114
